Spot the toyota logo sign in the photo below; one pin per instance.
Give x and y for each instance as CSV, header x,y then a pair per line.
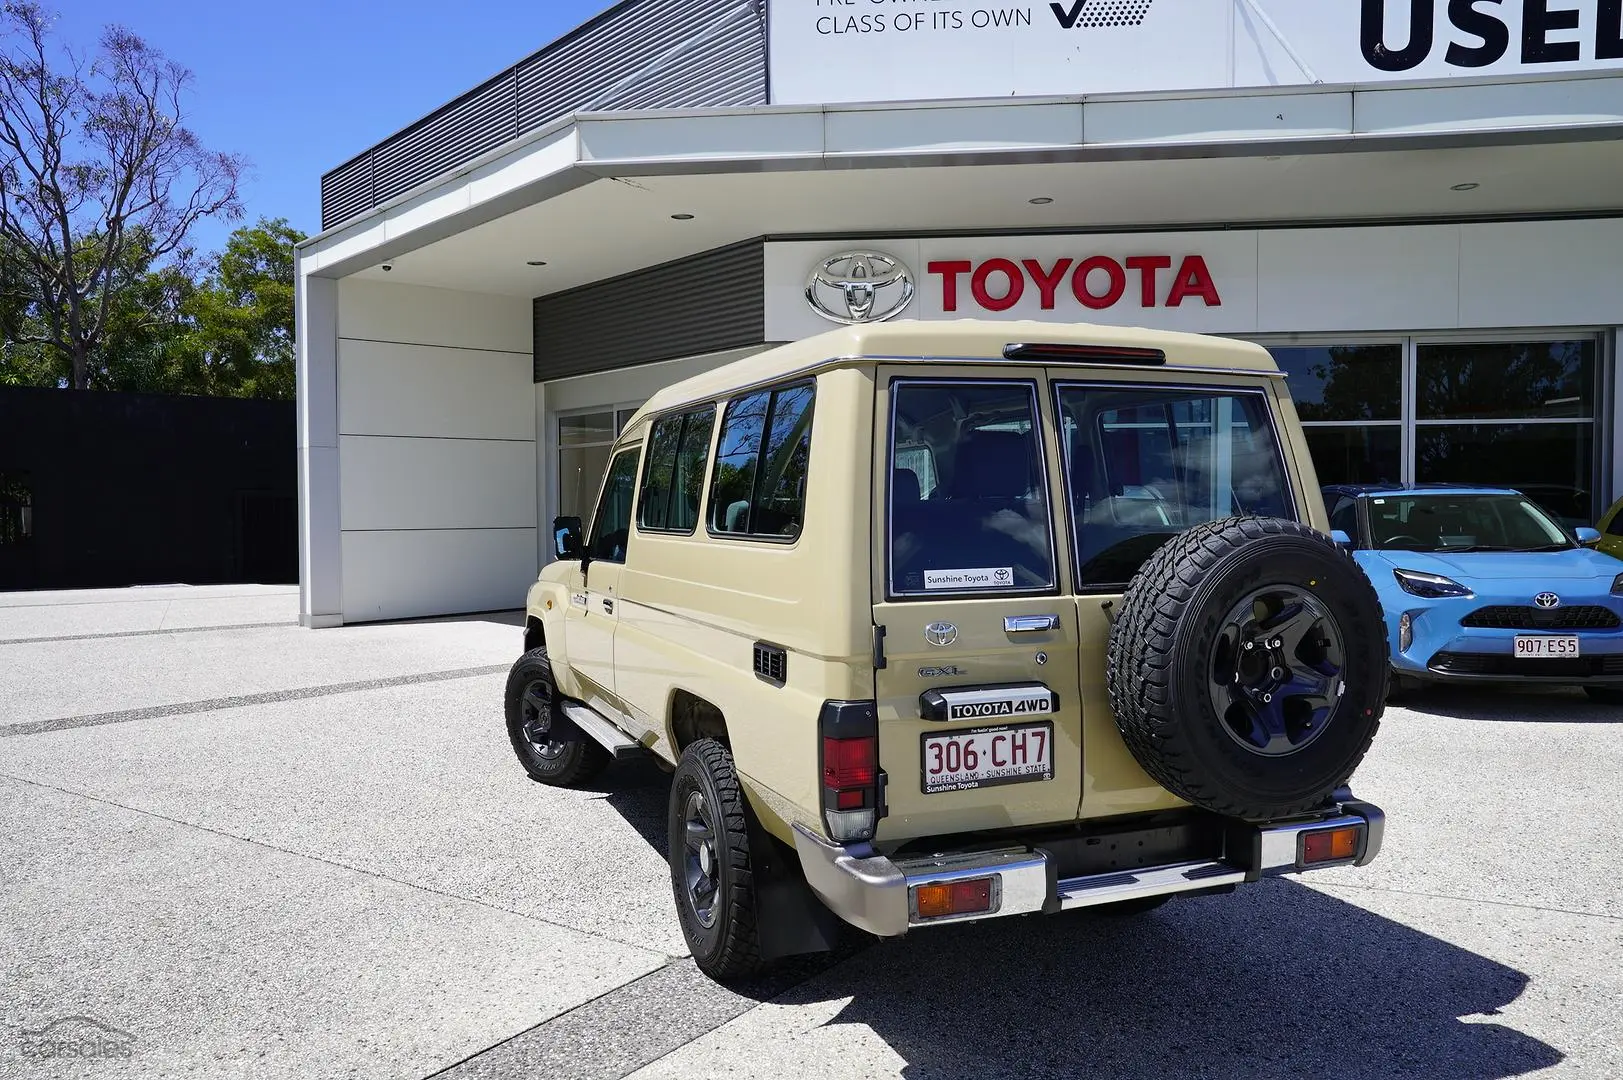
x,y
1547,600
859,287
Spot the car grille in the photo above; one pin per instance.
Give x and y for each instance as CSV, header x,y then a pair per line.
x,y
1511,617
1564,667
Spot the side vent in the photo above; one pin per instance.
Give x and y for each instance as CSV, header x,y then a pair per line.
x,y
771,663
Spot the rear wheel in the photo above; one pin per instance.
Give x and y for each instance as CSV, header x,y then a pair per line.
x,y
549,746
1605,695
712,867
1248,667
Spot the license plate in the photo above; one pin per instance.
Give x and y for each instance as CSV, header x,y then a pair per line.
x,y
987,756
1542,646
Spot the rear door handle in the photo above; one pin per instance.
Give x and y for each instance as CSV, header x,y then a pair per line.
x,y
608,606
1029,624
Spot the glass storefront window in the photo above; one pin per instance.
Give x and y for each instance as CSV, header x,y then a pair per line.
x,y
1515,414
1357,455
1505,380
1344,382
1552,464
583,454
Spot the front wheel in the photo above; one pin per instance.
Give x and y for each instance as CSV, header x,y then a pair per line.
x,y
549,746
712,869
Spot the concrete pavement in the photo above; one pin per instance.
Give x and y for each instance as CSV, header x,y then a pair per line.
x,y
253,849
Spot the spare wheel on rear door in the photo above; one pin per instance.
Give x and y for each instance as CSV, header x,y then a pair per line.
x,y
1247,667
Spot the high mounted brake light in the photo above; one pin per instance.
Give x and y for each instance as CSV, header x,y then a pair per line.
x,y
1091,354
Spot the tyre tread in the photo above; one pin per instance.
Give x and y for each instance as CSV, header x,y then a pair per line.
x,y
1139,665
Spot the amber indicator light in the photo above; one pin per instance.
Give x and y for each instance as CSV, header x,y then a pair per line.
x,y
953,898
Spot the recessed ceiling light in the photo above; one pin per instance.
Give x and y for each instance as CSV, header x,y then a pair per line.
x,y
681,217
536,262
1041,200
1470,185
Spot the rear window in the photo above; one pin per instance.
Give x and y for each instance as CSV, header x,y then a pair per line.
x,y
968,508
1143,464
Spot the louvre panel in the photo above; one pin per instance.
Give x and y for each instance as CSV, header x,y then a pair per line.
x,y
479,122
727,70
661,313
609,63
346,191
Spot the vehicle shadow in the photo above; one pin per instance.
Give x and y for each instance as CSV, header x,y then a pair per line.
x,y
1509,702
1274,980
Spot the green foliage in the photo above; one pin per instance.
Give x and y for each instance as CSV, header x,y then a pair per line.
x,y
220,326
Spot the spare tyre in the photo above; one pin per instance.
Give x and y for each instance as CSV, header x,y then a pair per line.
x,y
1247,667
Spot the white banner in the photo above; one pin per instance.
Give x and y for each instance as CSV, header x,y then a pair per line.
x,y
827,51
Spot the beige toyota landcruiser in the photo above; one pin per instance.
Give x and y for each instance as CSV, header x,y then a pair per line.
x,y
948,621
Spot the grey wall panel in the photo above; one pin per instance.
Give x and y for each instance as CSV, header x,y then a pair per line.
x,y
642,54
660,313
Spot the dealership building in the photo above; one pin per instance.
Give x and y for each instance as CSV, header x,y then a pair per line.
x,y
1416,205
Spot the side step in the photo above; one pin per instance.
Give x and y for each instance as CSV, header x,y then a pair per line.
x,y
1153,881
613,739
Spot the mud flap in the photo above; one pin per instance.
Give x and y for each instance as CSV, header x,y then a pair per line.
x,y
792,920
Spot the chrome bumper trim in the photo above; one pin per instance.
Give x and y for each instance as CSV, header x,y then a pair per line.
x,y
872,893
1281,843
1117,885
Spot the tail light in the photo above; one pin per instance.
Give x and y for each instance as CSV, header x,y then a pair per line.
x,y
1331,845
965,897
851,778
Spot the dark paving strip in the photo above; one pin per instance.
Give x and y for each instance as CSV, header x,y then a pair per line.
x,y
143,633
36,727
635,1024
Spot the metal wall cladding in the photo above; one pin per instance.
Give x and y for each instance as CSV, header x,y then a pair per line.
x,y
640,54
703,304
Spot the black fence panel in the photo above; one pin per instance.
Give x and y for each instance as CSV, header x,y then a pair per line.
x,y
101,490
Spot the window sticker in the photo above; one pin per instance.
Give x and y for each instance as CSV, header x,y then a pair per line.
x,y
986,577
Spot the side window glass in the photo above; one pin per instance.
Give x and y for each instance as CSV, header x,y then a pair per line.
x,y
1143,464
968,503
1345,518
669,500
611,525
759,488
654,500
1614,525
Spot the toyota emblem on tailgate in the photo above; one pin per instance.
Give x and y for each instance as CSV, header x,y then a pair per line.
x,y
859,287
1547,600
941,633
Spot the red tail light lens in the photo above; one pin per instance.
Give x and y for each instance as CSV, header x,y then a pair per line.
x,y
850,763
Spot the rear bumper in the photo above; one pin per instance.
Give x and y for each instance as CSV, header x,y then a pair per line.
x,y
874,893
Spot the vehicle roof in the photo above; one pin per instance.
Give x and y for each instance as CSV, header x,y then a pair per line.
x,y
953,341
1358,490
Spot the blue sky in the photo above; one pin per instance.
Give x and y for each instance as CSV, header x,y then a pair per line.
x,y
302,85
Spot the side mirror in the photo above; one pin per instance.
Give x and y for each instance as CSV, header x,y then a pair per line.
x,y
567,538
1586,536
1341,538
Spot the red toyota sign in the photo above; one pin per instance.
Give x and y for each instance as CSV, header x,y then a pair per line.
x,y
1096,282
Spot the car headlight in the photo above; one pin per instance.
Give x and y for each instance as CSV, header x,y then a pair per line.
x,y
1617,585
1431,586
